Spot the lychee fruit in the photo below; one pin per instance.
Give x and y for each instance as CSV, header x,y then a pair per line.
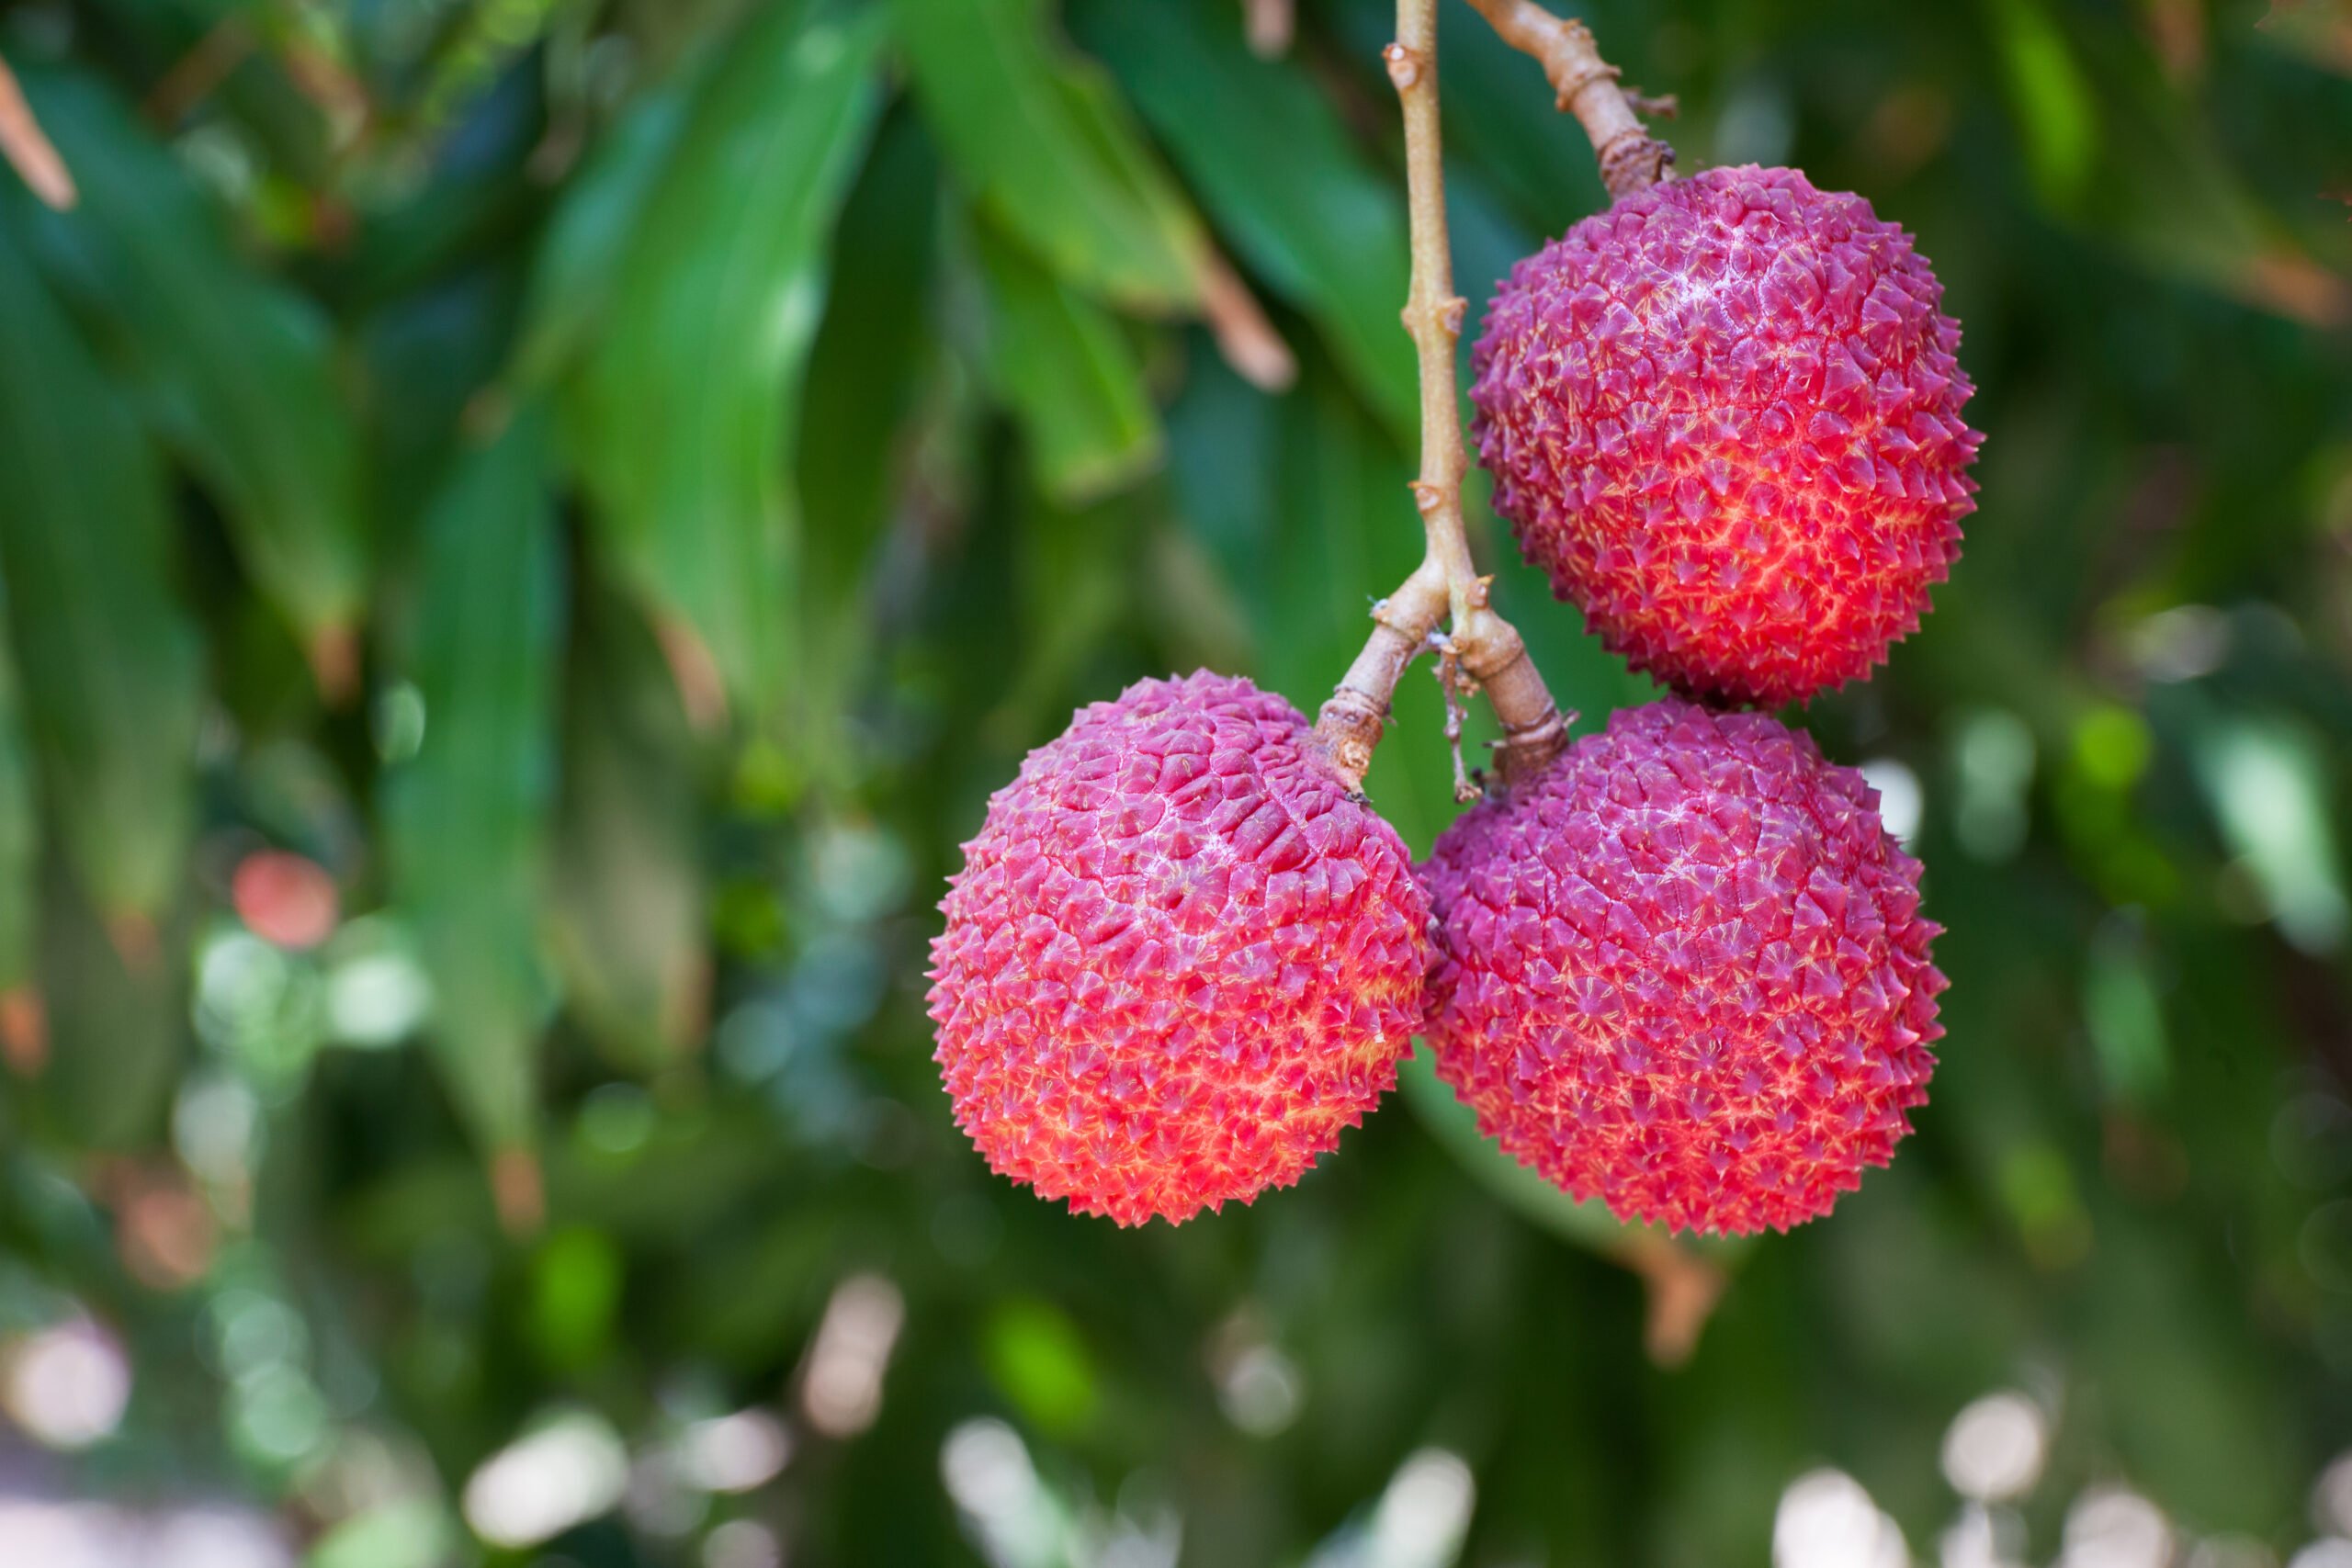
x,y
1724,417
1181,957
1683,970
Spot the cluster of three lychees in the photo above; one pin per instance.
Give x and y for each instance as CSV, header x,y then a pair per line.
x,y
1682,968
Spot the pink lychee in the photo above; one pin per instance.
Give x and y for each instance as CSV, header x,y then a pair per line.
x,y
1181,957
1724,417
1683,970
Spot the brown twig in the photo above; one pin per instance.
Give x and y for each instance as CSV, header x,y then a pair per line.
x,y
1586,85
1447,585
28,148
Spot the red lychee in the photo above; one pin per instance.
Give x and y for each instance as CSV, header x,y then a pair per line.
x,y
1179,958
1683,971
1724,417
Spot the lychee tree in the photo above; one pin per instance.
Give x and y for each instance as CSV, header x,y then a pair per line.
x,y
530,531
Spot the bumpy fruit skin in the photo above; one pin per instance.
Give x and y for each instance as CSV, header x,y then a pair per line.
x,y
1724,417
1179,958
1683,971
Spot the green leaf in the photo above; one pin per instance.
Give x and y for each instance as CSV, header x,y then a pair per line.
x,y
238,371
682,423
2053,101
428,355
858,444
2270,793
1280,177
1064,365
1041,145
575,1295
465,818
118,1019
630,924
576,270
20,842
2167,190
110,663
1037,1358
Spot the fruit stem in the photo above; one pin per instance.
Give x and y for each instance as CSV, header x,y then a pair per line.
x,y
1630,158
1447,585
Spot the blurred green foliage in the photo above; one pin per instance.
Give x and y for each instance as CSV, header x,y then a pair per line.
x,y
614,483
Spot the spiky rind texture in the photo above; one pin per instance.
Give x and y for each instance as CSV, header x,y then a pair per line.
x,y
1724,417
1684,971
1180,959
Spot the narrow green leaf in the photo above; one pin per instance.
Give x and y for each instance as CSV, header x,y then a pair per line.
x,y
238,370
2169,191
859,449
877,339
1073,587
629,923
1064,365
2269,787
427,356
465,818
20,845
110,660
684,411
118,1019
1280,177
576,268
2054,105
1046,148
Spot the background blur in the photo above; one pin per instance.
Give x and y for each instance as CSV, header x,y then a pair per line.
x,y
530,527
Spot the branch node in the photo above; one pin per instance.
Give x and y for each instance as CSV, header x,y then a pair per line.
x,y
1404,66
1565,92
